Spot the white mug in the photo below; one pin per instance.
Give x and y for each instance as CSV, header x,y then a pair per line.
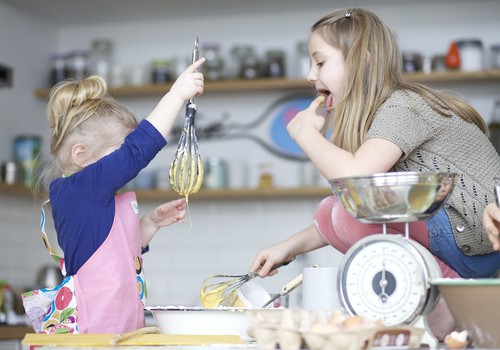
x,y
319,289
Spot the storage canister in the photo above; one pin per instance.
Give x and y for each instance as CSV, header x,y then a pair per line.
x,y
213,69
412,62
26,151
100,61
59,70
275,64
216,173
9,173
78,64
471,54
495,56
303,60
247,62
161,71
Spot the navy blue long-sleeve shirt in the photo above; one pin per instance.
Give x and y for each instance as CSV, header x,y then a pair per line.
x,y
83,205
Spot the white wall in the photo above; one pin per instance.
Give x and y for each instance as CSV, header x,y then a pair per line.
x,y
225,234
25,44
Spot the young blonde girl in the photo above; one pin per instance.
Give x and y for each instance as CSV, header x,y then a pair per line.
x,y
381,123
96,148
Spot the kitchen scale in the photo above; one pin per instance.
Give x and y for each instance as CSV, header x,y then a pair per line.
x,y
384,276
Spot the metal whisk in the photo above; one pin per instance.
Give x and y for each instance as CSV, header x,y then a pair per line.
x,y
223,287
186,168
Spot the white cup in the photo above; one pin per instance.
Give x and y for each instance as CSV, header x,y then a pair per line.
x,y
319,289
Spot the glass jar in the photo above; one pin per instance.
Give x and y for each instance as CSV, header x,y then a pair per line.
x,y
438,63
246,61
412,62
275,64
78,64
26,151
495,56
100,61
471,54
59,70
213,68
216,173
161,71
266,176
303,60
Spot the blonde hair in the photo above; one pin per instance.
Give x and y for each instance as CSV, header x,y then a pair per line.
x,y
80,111
374,70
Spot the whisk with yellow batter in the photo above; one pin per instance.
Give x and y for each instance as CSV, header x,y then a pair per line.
x,y
186,168
221,290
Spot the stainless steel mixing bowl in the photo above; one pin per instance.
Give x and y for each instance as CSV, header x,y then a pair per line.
x,y
394,197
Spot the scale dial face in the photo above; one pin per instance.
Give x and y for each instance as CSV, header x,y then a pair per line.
x,y
384,277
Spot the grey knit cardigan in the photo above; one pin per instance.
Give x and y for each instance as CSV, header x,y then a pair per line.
x,y
432,142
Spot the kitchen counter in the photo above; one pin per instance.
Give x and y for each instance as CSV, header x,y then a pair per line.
x,y
14,332
97,341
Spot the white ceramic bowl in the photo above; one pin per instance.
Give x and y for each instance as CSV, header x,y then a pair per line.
x,y
252,295
475,306
201,321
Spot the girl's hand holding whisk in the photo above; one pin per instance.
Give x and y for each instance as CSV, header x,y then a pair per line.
x,y
269,258
190,83
163,215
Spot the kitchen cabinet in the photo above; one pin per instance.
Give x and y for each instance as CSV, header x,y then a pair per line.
x,y
263,84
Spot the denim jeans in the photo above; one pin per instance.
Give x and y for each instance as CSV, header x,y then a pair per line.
x,y
443,245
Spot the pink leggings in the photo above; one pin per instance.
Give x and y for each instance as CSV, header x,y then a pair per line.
x,y
339,229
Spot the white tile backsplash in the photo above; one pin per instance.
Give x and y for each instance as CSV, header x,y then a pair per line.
x,y
224,238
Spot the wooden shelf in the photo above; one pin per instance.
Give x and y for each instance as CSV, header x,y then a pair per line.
x,y
14,332
239,194
17,190
263,84
210,87
455,76
204,194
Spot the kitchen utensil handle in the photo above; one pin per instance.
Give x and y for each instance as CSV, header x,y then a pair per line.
x,y
126,336
287,288
297,281
252,275
195,55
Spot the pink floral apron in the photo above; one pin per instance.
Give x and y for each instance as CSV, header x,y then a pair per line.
x,y
107,294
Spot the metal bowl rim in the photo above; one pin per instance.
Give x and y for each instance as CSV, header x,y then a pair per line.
x,y
391,175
